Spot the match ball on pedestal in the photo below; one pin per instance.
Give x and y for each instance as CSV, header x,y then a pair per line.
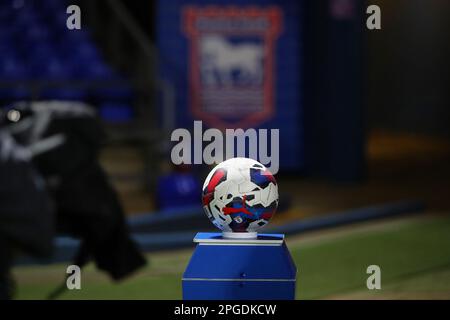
x,y
240,196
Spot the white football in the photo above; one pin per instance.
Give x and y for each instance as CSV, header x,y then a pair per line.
x,y
240,195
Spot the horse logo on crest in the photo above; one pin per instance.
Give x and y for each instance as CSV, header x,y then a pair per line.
x,y
232,63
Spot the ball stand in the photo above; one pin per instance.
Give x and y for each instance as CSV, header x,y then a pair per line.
x,y
239,235
255,268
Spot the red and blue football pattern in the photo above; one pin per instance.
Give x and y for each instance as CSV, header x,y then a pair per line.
x,y
240,195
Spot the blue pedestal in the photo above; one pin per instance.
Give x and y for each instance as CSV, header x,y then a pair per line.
x,y
240,269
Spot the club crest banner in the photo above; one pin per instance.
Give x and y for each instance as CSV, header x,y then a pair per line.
x,y
231,63
236,65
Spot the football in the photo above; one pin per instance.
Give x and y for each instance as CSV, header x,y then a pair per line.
x,y
240,196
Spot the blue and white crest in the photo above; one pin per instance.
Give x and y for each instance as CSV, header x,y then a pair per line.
x,y
231,69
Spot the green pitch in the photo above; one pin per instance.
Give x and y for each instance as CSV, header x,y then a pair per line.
x,y
413,254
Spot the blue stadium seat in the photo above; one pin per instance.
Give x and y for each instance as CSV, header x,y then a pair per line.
x,y
7,49
68,94
116,112
36,34
85,50
12,69
51,69
40,52
53,6
35,44
96,70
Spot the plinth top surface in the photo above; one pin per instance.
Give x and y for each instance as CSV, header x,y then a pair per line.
x,y
218,239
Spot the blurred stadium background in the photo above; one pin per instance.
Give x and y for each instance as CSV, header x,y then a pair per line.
x,y
364,119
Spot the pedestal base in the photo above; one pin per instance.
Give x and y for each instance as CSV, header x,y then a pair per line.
x,y
240,269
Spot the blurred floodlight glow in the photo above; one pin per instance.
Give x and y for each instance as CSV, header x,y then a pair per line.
x,y
13,115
